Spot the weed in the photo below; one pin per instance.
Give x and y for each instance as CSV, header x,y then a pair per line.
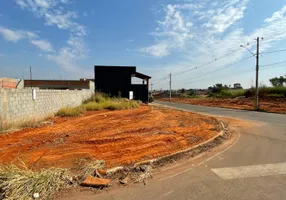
x,y
17,183
97,97
71,111
90,167
111,104
91,106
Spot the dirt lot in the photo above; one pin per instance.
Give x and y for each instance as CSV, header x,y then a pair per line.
x,y
275,105
118,137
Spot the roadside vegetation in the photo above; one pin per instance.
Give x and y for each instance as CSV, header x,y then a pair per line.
x,y
220,90
98,102
264,92
23,183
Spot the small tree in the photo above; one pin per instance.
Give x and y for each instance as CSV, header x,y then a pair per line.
x,y
278,81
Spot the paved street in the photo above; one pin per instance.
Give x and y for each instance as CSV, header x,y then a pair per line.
x,y
254,167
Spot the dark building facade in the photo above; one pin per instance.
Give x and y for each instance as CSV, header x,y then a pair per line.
x,y
117,81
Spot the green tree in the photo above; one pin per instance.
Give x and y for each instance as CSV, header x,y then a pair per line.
x,y
278,81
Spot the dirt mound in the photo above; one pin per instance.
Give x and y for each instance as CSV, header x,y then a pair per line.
x,y
118,137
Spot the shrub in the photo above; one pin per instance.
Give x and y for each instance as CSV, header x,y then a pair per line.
x,y
97,97
112,104
92,106
277,91
71,111
19,183
267,92
118,105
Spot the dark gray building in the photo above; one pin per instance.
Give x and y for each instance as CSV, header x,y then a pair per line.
x,y
117,81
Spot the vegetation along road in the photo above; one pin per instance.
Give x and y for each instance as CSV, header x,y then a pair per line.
x,y
253,167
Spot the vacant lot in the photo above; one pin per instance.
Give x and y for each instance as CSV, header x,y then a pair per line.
x,y
118,137
276,105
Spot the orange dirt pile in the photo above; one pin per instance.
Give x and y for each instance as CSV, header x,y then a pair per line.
x,y
118,137
269,105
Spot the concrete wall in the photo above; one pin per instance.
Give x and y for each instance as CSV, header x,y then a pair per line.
x,y
17,105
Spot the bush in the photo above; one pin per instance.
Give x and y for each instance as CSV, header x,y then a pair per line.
x,y
112,104
118,105
71,111
97,97
277,91
92,106
19,183
267,92
98,102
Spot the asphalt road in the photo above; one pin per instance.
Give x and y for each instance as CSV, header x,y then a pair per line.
x,y
254,167
278,119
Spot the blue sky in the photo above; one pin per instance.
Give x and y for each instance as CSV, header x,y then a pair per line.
x,y
66,38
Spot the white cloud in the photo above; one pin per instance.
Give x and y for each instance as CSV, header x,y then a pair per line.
x,y
172,32
43,45
66,57
16,35
54,14
214,30
157,50
277,15
224,17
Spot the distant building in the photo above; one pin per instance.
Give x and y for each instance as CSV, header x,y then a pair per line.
x,y
60,84
10,83
117,81
237,86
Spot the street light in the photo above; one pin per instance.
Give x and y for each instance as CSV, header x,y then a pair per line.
x,y
248,49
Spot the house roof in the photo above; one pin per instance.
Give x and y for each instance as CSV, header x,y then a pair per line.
x,y
142,76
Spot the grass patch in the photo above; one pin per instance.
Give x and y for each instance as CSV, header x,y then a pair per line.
x,y
98,98
92,106
263,92
98,102
90,167
17,183
267,92
111,105
71,111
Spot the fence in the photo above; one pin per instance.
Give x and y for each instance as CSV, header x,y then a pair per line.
x,y
18,105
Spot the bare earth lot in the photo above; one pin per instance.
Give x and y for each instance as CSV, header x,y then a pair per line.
x,y
118,137
275,105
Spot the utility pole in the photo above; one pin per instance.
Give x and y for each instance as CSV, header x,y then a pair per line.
x,y
257,76
256,98
170,87
31,76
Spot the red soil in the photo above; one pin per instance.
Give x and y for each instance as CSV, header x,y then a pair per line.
x,y
118,137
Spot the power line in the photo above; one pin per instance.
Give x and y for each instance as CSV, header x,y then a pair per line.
x,y
222,68
277,63
266,68
203,65
208,63
268,52
239,72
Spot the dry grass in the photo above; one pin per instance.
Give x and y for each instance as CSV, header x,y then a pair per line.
x,y
98,102
32,123
90,167
71,111
17,183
